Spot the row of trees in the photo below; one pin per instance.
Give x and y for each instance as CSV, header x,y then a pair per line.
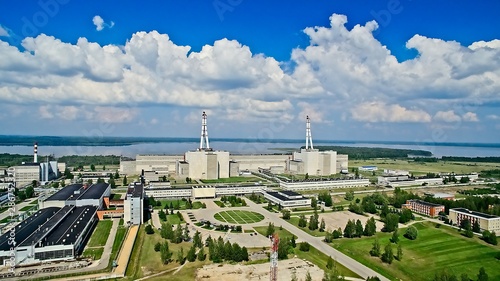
x,y
388,255
233,200
469,229
175,236
446,276
220,251
313,222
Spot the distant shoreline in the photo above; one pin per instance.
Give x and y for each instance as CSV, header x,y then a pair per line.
x,y
16,140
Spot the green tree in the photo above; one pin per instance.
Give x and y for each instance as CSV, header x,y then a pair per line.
x,y
384,211
388,256
370,227
391,222
270,229
475,227
464,277
350,229
92,167
162,215
304,247
372,278
165,253
191,254
55,184
322,225
333,275
201,254
63,184
104,167
375,251
117,175
405,216
399,254
112,183
313,221
67,174
302,221
149,229
314,202
395,237
29,191
293,244
244,254
482,275
411,232
197,239
349,195
358,228
180,256
286,214
125,180
468,230
283,246
157,247
329,263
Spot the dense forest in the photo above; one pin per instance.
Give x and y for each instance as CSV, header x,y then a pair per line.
x,y
471,159
7,160
363,153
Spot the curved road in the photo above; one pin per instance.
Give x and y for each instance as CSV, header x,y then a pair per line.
x,y
316,242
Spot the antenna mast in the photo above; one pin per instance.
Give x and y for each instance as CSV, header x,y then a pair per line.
x,y
308,133
204,145
275,240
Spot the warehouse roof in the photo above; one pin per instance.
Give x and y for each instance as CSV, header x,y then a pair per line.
x,y
72,227
95,191
65,193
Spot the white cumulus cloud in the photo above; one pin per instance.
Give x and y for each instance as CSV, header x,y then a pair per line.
x,y
447,116
3,32
381,112
470,117
100,24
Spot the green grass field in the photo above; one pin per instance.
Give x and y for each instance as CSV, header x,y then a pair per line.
x,y
435,250
238,217
232,180
281,232
422,168
101,233
173,219
26,208
316,233
93,253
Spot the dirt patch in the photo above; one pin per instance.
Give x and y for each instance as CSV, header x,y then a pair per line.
x,y
238,272
339,219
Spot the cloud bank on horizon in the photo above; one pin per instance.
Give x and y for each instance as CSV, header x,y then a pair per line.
x,y
344,77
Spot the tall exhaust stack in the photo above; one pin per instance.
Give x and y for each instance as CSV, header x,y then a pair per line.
x,y
308,133
204,145
35,153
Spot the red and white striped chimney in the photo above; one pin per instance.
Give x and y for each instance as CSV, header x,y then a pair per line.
x,y
35,153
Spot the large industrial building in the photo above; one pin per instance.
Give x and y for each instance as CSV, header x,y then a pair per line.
x,y
26,173
207,163
51,234
287,198
486,221
204,191
78,195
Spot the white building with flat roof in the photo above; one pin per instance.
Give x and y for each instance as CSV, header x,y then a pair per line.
x,y
486,221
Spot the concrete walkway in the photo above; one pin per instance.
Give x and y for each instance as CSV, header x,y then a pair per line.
x,y
126,251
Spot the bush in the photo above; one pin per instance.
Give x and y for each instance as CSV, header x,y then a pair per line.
x,y
304,247
149,229
411,233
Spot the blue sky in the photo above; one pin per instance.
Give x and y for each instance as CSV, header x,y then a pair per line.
x,y
363,70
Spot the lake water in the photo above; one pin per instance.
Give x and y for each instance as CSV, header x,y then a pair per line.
x,y
177,148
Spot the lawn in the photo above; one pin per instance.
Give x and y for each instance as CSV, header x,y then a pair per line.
x,y
178,204
316,233
233,180
101,233
320,259
435,250
145,261
173,219
238,217
422,167
26,208
281,232
93,253
117,243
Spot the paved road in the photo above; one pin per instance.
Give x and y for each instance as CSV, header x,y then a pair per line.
x,y
19,206
316,242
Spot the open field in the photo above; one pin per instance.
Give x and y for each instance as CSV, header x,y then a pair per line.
x,y
435,250
281,232
173,219
423,167
238,217
93,253
101,233
233,180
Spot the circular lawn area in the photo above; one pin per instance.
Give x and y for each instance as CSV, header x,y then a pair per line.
x,y
238,217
